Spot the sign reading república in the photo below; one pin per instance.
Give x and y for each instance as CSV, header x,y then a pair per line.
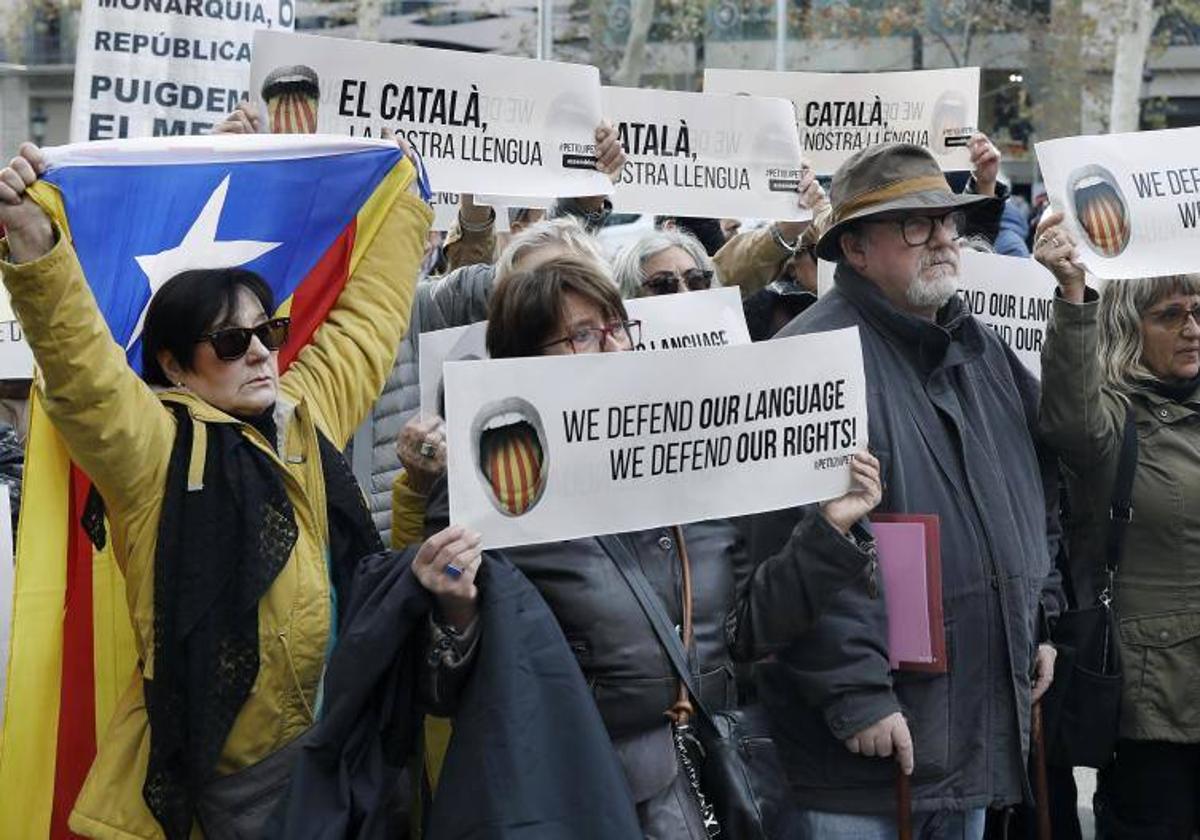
x,y
482,123
558,447
1132,200
148,68
704,154
840,113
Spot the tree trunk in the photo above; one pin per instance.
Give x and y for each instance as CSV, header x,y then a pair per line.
x,y
633,61
1056,71
1138,20
369,14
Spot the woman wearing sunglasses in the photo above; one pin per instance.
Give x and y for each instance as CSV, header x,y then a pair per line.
x,y
570,306
664,262
232,514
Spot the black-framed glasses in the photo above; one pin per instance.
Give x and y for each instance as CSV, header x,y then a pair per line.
x,y
1175,317
667,282
625,334
918,230
231,343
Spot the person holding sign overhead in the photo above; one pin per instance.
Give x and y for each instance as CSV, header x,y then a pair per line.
x,y
952,417
738,608
1132,354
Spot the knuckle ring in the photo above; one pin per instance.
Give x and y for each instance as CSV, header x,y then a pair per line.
x,y
427,448
452,571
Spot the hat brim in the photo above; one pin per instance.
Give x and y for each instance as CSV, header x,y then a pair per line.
x,y
829,246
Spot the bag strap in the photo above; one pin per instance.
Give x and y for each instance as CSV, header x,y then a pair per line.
x,y
1120,512
652,606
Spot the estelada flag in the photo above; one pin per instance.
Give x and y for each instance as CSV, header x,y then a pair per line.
x,y
299,211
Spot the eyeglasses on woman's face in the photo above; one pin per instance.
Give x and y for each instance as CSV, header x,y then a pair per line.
x,y
231,343
624,335
669,282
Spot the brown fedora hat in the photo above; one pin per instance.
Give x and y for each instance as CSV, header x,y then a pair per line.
x,y
883,179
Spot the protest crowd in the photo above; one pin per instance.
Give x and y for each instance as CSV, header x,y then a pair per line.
x,y
367,599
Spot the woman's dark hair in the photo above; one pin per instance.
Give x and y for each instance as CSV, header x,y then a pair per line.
x,y
527,306
189,305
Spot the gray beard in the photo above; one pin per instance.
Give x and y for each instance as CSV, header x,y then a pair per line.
x,y
931,294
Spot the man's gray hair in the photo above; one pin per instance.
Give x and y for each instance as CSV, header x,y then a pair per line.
x,y
627,267
563,233
1123,304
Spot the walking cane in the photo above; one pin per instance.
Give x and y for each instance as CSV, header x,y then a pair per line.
x,y
1039,772
904,828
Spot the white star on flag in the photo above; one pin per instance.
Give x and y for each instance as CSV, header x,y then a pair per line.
x,y
199,249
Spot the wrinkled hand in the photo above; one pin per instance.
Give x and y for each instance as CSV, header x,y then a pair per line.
x,y
866,489
812,197
610,154
1056,248
456,595
28,228
423,467
883,738
1043,670
985,163
243,120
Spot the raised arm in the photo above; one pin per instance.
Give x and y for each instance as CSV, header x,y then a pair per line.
x,y
113,425
344,368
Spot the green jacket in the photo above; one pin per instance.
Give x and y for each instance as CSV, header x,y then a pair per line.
x,y
1157,592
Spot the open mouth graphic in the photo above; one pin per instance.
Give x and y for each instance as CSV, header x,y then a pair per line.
x,y
948,123
1101,209
509,449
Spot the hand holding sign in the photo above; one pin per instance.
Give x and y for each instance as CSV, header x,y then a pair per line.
x,y
242,120
866,489
1055,247
985,163
610,154
812,198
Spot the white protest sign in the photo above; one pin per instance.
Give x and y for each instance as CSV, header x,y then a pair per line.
x,y
704,154
1132,200
558,447
1013,296
709,318
16,359
482,123
840,113
162,67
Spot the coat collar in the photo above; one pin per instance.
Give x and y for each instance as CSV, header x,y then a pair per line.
x,y
954,338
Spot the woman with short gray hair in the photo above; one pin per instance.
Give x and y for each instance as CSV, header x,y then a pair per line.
x,y
1134,347
664,262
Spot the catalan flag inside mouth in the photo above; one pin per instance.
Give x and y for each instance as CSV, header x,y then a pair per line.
x,y
1102,214
511,458
294,112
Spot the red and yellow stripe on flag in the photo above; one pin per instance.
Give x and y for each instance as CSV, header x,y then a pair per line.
x,y
73,652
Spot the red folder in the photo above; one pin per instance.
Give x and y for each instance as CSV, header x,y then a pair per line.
x,y
910,560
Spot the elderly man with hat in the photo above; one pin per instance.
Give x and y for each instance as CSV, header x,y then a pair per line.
x,y
950,413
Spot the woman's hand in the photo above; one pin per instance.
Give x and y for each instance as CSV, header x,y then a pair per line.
x,y
243,120
985,163
812,197
446,565
1055,248
421,449
610,154
28,228
866,489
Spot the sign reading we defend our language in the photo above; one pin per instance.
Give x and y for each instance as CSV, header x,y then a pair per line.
x,y
1013,296
559,447
481,123
1131,200
148,68
704,154
839,114
708,318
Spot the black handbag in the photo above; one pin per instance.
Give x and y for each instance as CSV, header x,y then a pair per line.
x,y
731,760
1083,705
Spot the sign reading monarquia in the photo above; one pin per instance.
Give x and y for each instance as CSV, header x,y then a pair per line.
x,y
559,447
840,113
708,318
1132,200
1013,296
147,68
703,154
482,123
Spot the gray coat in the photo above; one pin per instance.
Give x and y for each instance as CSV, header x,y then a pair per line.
x,y
455,300
950,417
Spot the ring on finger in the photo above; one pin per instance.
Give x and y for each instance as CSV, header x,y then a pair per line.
x,y
452,571
427,449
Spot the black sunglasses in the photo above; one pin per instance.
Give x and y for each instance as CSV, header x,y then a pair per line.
x,y
232,343
667,282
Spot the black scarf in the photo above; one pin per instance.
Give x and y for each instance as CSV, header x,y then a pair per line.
x,y
219,550
1179,391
